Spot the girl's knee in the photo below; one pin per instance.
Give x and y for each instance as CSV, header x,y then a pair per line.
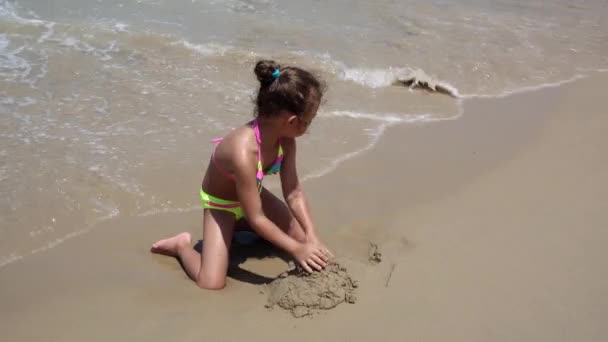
x,y
211,282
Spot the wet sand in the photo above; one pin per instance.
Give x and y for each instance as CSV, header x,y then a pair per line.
x,y
492,228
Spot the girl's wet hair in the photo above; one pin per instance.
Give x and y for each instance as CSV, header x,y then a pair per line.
x,y
286,88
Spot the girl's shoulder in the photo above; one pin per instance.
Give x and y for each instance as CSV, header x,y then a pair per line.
x,y
238,143
241,136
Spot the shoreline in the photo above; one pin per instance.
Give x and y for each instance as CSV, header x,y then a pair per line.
x,y
386,124
427,194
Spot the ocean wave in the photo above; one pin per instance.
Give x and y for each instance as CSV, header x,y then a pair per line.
x,y
77,44
106,212
9,259
208,49
412,78
165,23
50,30
110,25
8,11
387,118
393,118
104,54
375,133
167,210
373,78
418,79
12,66
526,89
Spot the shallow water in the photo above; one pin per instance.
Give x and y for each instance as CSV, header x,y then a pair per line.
x,y
107,107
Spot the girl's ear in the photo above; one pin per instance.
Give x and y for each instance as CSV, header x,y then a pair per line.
x,y
292,119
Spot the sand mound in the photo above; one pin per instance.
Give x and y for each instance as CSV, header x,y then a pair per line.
x,y
304,294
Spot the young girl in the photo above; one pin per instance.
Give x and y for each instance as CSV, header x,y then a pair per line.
x,y
232,190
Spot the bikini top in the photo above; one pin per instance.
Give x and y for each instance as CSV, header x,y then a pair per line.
x,y
274,168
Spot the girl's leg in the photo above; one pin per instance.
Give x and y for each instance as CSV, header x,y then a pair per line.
x,y
209,268
278,212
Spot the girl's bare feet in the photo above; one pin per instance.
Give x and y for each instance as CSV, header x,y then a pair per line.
x,y
171,245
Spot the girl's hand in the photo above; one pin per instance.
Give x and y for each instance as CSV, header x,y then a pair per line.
x,y
311,256
312,239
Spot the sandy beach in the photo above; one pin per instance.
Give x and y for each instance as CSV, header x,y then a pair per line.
x,y
492,228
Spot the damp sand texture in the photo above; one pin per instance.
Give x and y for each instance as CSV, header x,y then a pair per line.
x,y
304,294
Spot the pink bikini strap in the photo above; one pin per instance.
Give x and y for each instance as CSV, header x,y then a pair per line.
x,y
260,172
256,130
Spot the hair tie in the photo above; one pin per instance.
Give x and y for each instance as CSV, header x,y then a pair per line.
x,y
276,73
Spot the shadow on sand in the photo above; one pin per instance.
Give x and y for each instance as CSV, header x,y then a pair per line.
x,y
246,245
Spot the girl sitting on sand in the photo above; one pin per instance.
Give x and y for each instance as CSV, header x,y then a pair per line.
x,y
232,191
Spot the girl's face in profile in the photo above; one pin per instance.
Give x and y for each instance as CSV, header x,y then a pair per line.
x,y
305,120
298,125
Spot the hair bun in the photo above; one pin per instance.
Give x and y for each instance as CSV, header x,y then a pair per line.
x,y
264,70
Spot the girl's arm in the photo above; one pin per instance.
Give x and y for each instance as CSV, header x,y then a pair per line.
x,y
293,191
249,197
307,255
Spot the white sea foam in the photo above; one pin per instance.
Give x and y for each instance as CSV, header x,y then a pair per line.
x,y
381,77
150,2
107,210
26,101
7,11
520,90
12,66
378,78
7,100
102,106
209,49
121,27
388,117
162,22
50,30
104,54
111,25
373,78
9,259
375,133
57,241
394,118
167,210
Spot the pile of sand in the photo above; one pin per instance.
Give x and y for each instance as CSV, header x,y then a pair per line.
x,y
304,293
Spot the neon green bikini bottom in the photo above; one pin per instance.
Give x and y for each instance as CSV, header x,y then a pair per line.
x,y
212,202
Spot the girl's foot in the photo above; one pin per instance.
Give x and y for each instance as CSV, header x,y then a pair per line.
x,y
171,245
